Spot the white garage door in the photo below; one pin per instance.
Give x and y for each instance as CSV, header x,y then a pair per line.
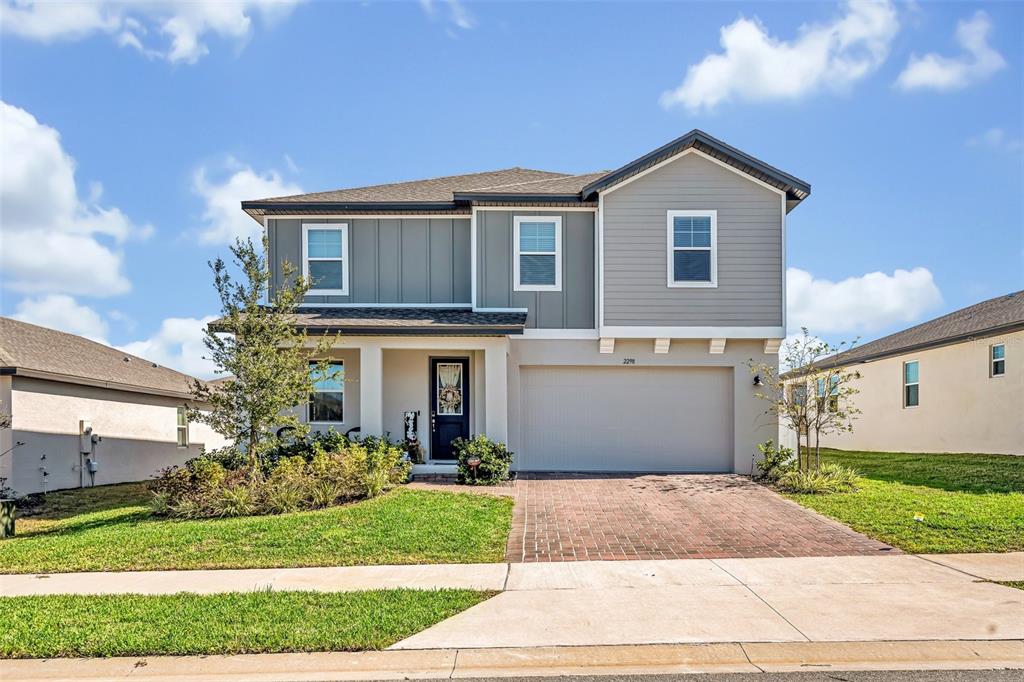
x,y
626,419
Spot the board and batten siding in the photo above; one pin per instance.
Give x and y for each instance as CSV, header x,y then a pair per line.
x,y
570,308
390,260
750,262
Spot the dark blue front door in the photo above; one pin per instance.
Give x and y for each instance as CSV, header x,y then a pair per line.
x,y
449,405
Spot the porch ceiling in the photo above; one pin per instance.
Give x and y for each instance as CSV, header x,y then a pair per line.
x,y
371,321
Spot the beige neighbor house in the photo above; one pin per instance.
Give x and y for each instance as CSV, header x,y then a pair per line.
x,y
954,384
595,322
87,414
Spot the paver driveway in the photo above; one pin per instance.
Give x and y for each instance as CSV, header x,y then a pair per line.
x,y
587,517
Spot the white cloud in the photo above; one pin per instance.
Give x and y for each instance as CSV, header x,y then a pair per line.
x,y
60,311
223,216
978,62
182,24
178,344
54,240
458,16
998,139
858,304
757,66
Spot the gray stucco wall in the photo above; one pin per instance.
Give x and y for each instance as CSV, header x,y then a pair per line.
x,y
570,308
750,270
408,260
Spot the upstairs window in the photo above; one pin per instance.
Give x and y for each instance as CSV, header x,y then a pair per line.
x,y
325,257
327,403
538,261
997,355
911,384
182,427
692,248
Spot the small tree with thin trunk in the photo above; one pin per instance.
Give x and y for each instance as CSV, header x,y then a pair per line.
x,y
267,357
810,393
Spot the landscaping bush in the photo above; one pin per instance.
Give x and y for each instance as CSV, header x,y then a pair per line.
x,y
830,478
495,460
311,478
774,462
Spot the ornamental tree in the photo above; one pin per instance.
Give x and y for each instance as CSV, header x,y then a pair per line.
x,y
268,359
812,393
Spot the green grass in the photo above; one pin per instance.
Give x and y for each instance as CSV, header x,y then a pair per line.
x,y
233,623
970,503
111,529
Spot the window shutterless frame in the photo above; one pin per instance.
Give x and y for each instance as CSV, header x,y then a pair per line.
x,y
340,365
997,360
343,258
672,248
911,383
182,428
517,221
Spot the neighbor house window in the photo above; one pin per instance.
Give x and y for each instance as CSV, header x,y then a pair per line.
x,y
833,392
998,357
327,403
538,261
692,248
911,384
182,427
325,257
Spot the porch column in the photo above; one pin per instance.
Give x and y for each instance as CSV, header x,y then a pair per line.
x,y
371,392
496,388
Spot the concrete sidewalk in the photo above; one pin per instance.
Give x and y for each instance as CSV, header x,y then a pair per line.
x,y
733,657
536,576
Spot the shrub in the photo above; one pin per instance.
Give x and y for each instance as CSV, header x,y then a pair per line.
x,y
830,478
495,460
312,478
774,461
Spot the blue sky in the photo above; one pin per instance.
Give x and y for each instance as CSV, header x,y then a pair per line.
x,y
908,121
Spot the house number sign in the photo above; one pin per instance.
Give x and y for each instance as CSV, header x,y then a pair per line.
x,y
629,361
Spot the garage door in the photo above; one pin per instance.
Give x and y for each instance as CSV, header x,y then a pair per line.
x,y
625,419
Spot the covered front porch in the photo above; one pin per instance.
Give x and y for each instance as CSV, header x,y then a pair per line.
x,y
430,374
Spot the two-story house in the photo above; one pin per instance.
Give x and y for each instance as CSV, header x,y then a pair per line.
x,y
596,322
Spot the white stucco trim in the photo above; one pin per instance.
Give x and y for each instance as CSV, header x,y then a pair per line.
x,y
782,199
520,208
573,334
368,216
692,332
472,256
683,154
600,260
501,310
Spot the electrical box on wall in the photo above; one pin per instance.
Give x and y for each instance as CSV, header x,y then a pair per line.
x,y
85,436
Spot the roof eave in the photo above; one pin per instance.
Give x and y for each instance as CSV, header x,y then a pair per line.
x,y
513,198
88,381
347,205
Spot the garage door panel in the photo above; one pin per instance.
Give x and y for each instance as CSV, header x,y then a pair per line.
x,y
626,419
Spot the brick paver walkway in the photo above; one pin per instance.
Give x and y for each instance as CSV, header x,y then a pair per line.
x,y
583,517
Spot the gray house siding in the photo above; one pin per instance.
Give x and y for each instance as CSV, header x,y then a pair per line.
x,y
391,260
750,263
570,308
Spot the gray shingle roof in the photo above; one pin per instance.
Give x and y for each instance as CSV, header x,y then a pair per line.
x,y
27,348
996,315
412,321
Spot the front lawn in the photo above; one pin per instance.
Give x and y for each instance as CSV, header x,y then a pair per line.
x,y
969,503
233,623
111,529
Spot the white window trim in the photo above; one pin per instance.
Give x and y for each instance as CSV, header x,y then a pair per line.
x,y
904,384
178,428
672,248
516,221
344,401
341,227
993,360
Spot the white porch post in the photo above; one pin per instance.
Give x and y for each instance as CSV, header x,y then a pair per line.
x,y
496,387
371,392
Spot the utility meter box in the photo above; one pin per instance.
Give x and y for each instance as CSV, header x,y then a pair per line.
x,y
85,436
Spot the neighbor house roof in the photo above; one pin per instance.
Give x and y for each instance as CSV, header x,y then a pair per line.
x,y
34,351
995,316
408,321
517,186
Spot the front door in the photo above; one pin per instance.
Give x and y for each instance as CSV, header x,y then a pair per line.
x,y
449,405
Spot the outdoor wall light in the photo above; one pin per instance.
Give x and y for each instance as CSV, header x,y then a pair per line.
x,y
757,379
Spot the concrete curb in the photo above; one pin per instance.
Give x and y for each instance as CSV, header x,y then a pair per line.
x,y
539,661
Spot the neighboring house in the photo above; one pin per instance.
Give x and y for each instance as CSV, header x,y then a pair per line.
x,y
954,384
596,322
58,386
